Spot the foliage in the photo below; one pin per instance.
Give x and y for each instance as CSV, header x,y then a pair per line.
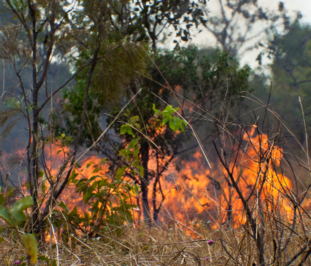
x,y
107,198
14,216
290,72
209,78
290,56
84,36
208,75
175,123
121,63
103,43
131,153
152,17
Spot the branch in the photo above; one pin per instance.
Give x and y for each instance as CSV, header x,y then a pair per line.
x,y
248,212
55,194
65,84
49,52
22,20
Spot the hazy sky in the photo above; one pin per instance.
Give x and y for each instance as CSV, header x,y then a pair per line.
x,y
304,6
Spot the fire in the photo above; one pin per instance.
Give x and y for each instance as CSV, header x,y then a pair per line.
x,y
57,156
197,193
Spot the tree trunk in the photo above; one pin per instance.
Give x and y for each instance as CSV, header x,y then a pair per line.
x,y
35,166
35,133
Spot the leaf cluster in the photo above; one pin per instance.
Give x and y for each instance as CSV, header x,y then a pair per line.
x,y
107,197
14,216
175,122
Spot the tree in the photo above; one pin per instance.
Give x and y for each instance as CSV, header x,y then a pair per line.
x,y
234,29
150,19
210,80
54,30
290,56
98,40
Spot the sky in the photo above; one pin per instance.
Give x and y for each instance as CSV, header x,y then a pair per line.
x,y
304,6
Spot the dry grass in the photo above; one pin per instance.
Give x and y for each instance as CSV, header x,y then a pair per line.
x,y
163,245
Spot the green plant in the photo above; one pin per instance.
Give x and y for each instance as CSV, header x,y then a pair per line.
x,y
106,195
15,216
175,122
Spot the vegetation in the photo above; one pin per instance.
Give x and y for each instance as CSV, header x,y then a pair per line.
x,y
182,80
290,68
117,152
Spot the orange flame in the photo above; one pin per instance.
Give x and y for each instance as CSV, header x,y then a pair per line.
x,y
196,192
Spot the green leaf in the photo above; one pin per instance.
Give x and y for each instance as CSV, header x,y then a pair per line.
x,y
134,119
133,143
88,195
96,170
93,178
120,172
176,122
44,258
141,170
123,129
169,110
89,164
41,174
130,132
166,119
30,244
126,129
5,216
73,213
136,154
73,176
123,152
43,186
17,211
156,111
27,185
136,190
2,200
77,165
172,125
63,205
103,161
10,192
